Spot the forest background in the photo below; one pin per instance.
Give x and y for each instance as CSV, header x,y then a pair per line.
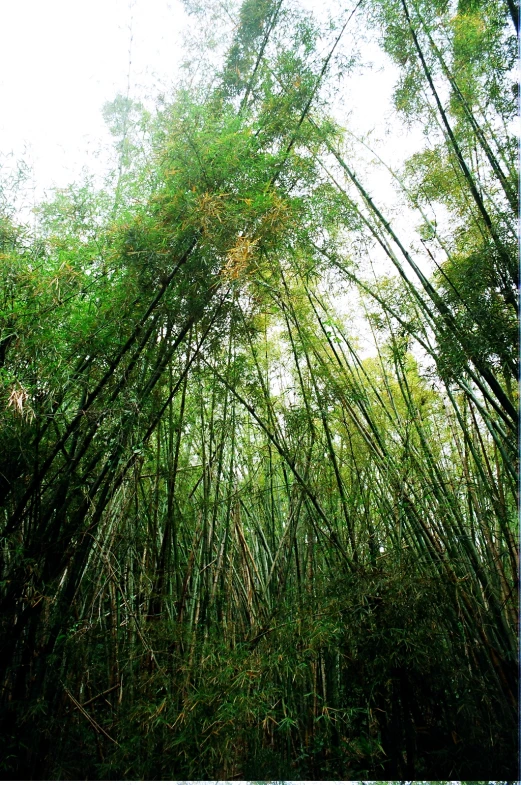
x,y
258,446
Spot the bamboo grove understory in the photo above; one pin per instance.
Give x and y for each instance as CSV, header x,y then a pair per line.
x,y
234,544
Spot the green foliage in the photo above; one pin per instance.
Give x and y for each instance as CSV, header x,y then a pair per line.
x,y
233,546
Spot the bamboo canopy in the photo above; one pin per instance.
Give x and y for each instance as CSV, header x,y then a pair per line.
x,y
233,544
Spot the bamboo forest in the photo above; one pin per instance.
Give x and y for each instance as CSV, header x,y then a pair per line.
x,y
258,441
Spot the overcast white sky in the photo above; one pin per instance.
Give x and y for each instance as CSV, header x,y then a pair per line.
x,y
61,60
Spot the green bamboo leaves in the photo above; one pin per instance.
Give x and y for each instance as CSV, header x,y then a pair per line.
x,y
244,546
